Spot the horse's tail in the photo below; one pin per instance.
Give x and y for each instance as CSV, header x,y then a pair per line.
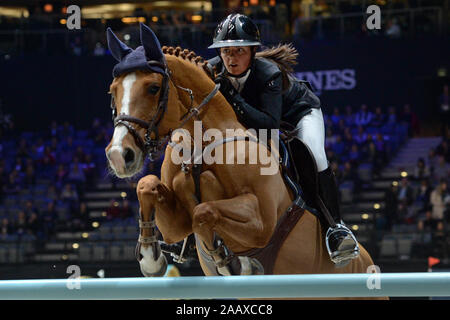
x,y
285,56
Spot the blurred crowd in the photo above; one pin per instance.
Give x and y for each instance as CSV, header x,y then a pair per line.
x,y
44,177
423,199
365,136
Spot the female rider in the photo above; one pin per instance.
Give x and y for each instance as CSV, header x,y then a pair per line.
x,y
254,88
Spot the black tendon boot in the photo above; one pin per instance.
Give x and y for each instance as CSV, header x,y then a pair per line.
x,y
340,241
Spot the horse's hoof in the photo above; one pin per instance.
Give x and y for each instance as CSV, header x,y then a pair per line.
x,y
159,273
250,266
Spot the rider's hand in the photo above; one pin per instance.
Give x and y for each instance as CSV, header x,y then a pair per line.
x,y
226,88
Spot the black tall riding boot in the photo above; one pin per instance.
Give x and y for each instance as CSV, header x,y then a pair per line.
x,y
340,241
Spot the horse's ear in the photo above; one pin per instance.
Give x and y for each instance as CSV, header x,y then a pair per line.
x,y
118,49
151,44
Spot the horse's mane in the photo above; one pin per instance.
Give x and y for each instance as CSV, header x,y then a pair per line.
x,y
188,55
284,56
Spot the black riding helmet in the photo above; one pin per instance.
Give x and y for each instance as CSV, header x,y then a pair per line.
x,y
236,30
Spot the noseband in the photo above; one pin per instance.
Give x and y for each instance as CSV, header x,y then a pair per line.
x,y
152,144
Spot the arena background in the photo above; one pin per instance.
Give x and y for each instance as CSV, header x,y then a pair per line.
x,y
60,207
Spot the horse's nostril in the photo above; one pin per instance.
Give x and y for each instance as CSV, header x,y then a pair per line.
x,y
128,156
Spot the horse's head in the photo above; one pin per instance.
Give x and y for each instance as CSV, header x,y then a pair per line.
x,y
139,97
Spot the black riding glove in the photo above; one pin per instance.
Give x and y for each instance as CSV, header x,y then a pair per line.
x,y
226,87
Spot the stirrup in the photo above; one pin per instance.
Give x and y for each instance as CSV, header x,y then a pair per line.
x,y
348,248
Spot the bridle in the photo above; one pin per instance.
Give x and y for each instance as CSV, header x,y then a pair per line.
x,y
151,145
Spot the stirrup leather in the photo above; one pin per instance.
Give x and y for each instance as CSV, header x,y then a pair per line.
x,y
348,248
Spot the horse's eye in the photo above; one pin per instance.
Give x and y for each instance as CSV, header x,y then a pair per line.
x,y
153,89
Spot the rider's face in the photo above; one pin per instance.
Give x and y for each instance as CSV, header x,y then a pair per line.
x,y
236,59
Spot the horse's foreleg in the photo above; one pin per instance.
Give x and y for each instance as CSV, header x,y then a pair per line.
x,y
154,198
240,221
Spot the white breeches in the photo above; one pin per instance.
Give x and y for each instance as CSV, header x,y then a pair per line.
x,y
311,131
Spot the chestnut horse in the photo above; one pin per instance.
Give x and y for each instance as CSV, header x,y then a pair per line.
x,y
238,205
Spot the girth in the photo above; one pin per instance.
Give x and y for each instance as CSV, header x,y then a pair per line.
x,y
267,255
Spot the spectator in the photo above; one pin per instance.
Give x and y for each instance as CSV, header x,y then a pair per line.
x,y
23,150
95,130
53,194
35,226
38,150
361,137
80,217
432,159
90,169
349,118
48,219
354,155
349,173
392,116
126,211
30,176
335,117
348,137
79,154
76,46
331,156
30,208
405,192
77,177
18,165
5,228
421,171
443,150
374,157
379,143
48,162
379,118
21,224
439,199
99,50
70,196
363,117
67,151
428,223
55,147
54,130
340,128
423,195
330,138
409,118
339,146
441,169
406,213
113,211
393,29
60,176
14,184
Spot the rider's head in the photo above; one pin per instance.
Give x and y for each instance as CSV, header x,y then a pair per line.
x,y
236,39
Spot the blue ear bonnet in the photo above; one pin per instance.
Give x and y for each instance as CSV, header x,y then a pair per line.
x,y
131,60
